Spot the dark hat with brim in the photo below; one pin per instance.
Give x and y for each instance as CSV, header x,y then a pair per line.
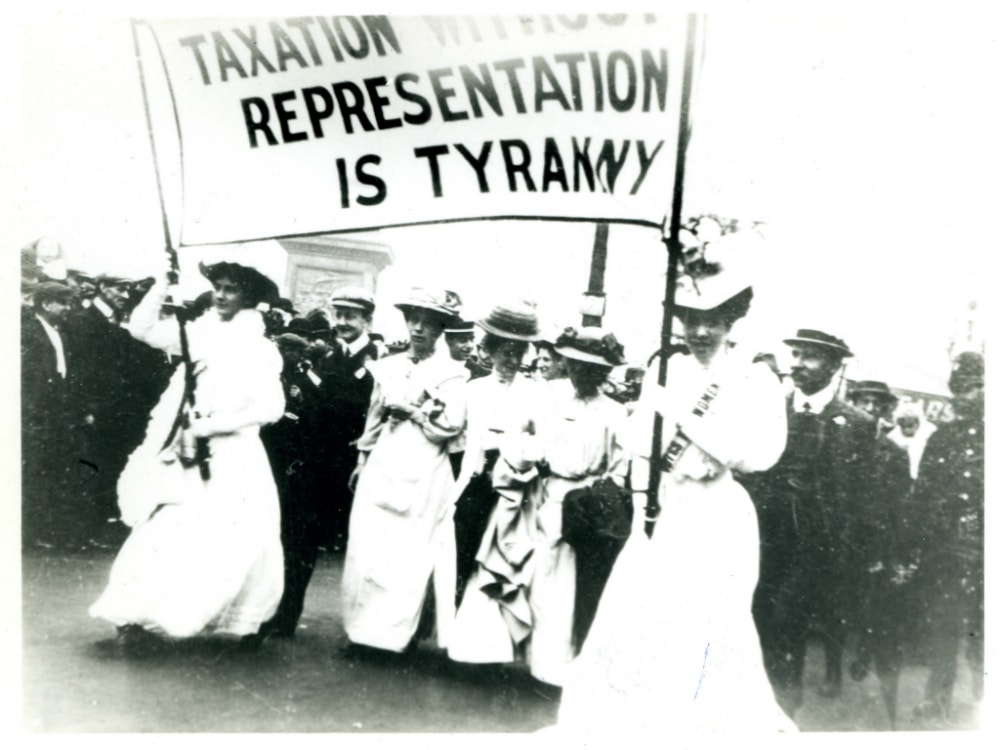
x,y
818,338
292,340
354,298
52,291
591,344
258,287
299,326
872,388
516,320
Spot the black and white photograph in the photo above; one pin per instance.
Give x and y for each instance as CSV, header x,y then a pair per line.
x,y
561,373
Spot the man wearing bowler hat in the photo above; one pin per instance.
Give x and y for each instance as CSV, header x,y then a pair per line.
x,y
804,506
344,393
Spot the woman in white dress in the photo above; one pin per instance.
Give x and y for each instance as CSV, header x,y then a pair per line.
x,y
204,555
400,538
673,647
577,440
494,515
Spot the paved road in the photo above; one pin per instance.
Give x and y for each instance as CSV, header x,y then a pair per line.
x,y
77,680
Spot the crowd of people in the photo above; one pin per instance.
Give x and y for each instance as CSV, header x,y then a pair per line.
x,y
488,485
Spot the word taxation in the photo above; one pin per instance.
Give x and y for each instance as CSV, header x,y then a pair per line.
x,y
575,81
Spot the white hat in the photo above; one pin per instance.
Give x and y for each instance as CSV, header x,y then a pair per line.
x,y
717,267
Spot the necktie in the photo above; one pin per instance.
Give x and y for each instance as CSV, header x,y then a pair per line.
x,y
806,409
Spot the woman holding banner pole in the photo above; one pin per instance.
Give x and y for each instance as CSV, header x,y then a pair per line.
x,y
673,647
204,555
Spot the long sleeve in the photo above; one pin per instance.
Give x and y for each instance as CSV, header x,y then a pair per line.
x,y
146,325
447,422
265,398
747,428
373,420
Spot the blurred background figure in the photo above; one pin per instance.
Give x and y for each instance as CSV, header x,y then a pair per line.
x,y
885,557
912,431
46,448
548,364
948,505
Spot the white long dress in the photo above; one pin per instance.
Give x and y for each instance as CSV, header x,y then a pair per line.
x,y
203,556
493,617
581,441
401,535
673,647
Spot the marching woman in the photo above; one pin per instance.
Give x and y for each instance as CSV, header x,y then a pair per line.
x,y
494,516
204,554
673,647
577,441
400,541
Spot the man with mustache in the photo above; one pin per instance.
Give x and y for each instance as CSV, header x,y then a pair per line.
x,y
805,506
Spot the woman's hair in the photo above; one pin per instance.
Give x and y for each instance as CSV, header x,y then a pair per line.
x,y
730,311
256,287
491,342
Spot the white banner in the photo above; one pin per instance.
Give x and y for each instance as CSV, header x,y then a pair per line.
x,y
303,125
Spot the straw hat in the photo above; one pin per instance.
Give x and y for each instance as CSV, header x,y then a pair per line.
x,y
517,320
818,338
591,344
436,300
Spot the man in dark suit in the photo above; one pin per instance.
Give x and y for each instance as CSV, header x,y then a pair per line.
x,y
948,509
805,504
885,558
287,445
45,366
115,385
344,394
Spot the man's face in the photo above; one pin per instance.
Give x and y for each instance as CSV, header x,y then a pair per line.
x,y
813,367
291,354
115,293
461,345
873,404
908,425
54,311
349,323
969,401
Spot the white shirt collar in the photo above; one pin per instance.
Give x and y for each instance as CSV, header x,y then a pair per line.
x,y
105,309
358,344
817,401
57,344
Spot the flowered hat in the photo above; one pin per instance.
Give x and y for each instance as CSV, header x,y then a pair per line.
x,y
437,300
717,257
591,344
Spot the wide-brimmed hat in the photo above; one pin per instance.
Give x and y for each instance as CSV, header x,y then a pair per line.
x,y
353,297
291,340
591,344
436,300
458,327
873,388
259,288
516,319
968,370
52,291
717,260
819,338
